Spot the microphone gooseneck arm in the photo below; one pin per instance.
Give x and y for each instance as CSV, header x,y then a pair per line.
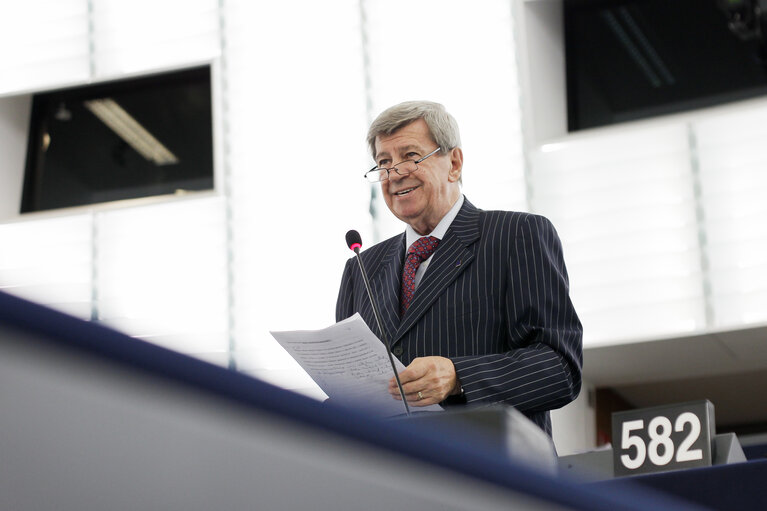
x,y
356,248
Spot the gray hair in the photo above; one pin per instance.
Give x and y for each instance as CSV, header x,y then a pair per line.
x,y
442,125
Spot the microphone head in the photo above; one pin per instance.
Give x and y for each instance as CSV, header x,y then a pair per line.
x,y
353,240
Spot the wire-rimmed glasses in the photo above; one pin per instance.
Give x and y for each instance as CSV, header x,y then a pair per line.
x,y
403,168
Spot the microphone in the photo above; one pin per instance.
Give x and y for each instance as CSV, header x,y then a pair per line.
x,y
354,241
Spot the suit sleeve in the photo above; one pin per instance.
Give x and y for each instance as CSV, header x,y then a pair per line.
x,y
542,368
345,301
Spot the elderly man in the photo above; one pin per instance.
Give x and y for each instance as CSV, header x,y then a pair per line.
x,y
475,303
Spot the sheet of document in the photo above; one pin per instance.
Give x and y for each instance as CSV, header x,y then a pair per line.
x,y
349,363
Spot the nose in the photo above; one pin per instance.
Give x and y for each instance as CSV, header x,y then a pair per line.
x,y
395,176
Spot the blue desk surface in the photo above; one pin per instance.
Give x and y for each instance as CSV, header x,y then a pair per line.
x,y
740,486
450,449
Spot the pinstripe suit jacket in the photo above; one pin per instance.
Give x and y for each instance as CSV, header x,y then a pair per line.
x,y
494,300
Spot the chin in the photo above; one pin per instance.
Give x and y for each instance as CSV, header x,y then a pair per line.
x,y
398,208
407,216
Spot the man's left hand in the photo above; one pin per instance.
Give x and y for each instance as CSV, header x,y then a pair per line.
x,y
426,381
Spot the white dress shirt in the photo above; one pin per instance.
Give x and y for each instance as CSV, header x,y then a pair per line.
x,y
439,232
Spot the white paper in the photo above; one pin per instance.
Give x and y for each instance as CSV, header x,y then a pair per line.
x,y
349,363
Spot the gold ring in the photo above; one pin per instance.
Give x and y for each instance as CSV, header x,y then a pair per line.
x,y
420,396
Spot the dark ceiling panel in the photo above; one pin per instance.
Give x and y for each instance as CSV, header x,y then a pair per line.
x,y
631,59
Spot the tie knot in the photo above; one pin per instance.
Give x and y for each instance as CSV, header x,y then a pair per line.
x,y
424,247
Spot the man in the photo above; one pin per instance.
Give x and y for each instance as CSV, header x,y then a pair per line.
x,y
486,317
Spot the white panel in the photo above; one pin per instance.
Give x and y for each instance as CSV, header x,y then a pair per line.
x,y
43,43
623,204
574,425
296,153
733,158
162,274
49,261
149,34
460,54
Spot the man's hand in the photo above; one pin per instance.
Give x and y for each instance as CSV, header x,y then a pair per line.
x,y
426,381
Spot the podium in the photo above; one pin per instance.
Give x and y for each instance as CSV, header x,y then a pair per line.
x,y
504,428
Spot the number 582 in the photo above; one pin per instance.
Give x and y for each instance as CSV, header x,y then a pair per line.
x,y
659,432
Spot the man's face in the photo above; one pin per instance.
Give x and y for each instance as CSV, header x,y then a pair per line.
x,y
425,196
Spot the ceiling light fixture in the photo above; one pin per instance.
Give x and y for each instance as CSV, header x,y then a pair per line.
x,y
130,130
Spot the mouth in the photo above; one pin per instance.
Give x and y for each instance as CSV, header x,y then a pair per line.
x,y
406,191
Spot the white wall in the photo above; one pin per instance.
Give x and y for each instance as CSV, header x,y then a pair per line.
x,y
574,426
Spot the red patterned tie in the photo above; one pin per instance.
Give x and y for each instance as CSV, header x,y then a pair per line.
x,y
418,252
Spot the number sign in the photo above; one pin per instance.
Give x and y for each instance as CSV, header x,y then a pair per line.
x,y
663,438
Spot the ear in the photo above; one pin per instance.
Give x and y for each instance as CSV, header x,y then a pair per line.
x,y
456,164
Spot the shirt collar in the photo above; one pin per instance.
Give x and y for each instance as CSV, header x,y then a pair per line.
x,y
442,226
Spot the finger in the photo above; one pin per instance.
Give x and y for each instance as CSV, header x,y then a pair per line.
x,y
424,400
403,378
393,382
411,397
418,401
395,392
410,387
408,391
394,389
414,371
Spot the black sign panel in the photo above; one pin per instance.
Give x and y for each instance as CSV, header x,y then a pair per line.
x,y
663,438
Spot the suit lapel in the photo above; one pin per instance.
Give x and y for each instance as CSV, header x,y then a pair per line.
x,y
452,257
385,282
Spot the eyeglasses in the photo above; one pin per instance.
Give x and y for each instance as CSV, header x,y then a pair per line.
x,y
403,168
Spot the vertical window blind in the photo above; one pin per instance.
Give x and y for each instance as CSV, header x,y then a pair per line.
x,y
43,44
140,35
733,158
624,206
